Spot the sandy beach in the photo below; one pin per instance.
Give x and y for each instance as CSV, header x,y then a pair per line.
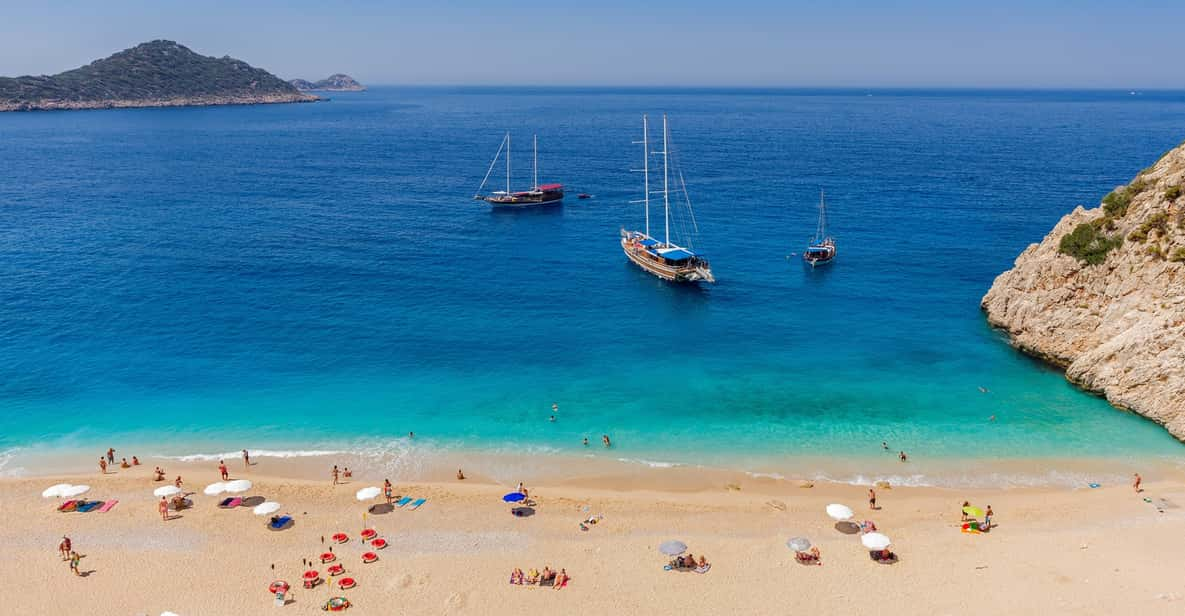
x,y
1053,551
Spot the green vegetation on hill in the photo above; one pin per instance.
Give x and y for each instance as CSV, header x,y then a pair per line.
x,y
1088,244
154,71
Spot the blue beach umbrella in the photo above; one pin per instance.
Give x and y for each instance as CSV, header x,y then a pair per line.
x,y
514,497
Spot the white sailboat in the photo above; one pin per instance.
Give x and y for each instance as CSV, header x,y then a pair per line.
x,y
821,249
664,259
538,194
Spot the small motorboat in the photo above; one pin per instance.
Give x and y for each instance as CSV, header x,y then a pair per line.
x,y
584,196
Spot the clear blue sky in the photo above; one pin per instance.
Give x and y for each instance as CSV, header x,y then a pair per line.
x,y
1039,43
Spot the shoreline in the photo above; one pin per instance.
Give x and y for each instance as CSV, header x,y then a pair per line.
x,y
194,101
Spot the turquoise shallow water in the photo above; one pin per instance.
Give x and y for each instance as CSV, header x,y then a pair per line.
x,y
316,278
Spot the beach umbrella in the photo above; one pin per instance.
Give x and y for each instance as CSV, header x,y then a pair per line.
x,y
54,490
72,491
672,547
214,489
798,544
266,508
839,512
972,511
238,485
875,541
366,494
514,497
166,491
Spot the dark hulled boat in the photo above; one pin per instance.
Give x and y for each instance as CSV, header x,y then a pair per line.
x,y
539,194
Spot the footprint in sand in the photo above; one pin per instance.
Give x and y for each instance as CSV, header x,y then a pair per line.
x,y
455,601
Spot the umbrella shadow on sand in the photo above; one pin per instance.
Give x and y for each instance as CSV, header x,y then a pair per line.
x,y
381,508
847,527
252,501
523,512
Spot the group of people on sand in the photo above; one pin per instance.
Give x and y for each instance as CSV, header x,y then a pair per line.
x,y
67,553
339,474
547,577
983,527
109,460
689,563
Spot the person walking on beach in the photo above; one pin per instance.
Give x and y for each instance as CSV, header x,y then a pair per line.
x,y
222,470
111,455
871,498
163,508
103,466
178,482
246,459
75,558
963,509
388,491
64,548
335,474
460,475
1136,483
987,519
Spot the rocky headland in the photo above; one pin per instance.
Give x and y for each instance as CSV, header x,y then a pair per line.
x,y
337,82
154,74
1103,295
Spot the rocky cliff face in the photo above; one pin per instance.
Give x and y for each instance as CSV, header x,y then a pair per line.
x,y
1103,295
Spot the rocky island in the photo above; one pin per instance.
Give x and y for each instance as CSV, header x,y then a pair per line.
x,y
337,82
1103,295
154,74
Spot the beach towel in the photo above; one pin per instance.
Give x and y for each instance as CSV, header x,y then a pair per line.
x,y
68,506
416,505
703,569
230,503
403,501
107,506
89,506
280,522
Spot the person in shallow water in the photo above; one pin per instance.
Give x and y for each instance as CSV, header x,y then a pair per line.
x,y
904,458
605,440
586,441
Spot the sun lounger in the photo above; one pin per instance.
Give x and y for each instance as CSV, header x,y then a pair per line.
x,y
89,506
403,501
416,505
107,506
69,505
230,503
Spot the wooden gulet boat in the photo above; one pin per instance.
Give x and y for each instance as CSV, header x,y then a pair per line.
x,y
664,259
539,194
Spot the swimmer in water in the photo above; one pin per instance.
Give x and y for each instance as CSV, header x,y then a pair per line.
x,y
552,418
884,445
586,441
605,440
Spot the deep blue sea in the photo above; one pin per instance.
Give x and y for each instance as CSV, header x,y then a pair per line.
x,y
317,276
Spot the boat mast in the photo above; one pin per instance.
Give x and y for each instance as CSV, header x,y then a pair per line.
x,y
535,164
821,231
508,162
646,171
666,202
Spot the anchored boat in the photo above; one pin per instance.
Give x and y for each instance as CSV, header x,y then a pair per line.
x,y
539,194
664,259
821,250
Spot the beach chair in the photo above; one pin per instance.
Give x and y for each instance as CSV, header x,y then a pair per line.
x,y
403,501
416,505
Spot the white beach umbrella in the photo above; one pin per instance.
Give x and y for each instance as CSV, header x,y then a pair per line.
x,y
875,541
72,491
672,547
214,489
54,490
266,508
238,485
839,512
366,494
167,491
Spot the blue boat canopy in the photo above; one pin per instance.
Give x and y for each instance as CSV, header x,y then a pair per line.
x,y
648,242
676,254
817,249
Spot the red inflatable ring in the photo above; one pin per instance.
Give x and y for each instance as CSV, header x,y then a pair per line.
x,y
379,543
311,575
278,586
328,557
346,583
369,557
369,534
340,538
337,569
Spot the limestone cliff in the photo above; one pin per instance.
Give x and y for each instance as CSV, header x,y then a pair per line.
x,y
1103,295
